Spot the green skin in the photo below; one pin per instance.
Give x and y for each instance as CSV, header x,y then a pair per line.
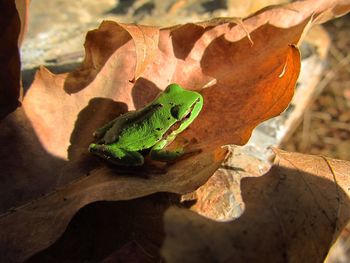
x,y
152,127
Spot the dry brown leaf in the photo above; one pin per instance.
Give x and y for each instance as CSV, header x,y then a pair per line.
x,y
62,121
9,57
131,252
220,197
292,213
140,44
45,141
23,12
135,227
122,231
46,218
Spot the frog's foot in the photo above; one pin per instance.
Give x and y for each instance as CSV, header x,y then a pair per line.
x,y
117,155
187,154
165,156
171,156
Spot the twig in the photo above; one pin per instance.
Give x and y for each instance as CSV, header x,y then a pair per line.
x,y
340,125
338,56
305,137
331,73
321,115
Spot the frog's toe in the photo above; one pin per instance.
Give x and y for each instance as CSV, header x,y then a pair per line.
x,y
166,156
100,150
93,147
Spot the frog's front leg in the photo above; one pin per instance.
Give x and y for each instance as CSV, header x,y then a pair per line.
x,y
100,132
158,152
117,155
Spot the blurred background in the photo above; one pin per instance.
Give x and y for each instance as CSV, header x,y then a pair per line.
x,y
325,124
318,119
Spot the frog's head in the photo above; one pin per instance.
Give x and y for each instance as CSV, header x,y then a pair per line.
x,y
186,104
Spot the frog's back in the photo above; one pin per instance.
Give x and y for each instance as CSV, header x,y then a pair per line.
x,y
145,132
147,126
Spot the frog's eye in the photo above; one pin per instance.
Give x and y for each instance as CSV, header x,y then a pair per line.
x,y
174,111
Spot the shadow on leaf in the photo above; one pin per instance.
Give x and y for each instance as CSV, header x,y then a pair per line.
x,y
24,177
289,216
100,45
101,228
143,92
97,113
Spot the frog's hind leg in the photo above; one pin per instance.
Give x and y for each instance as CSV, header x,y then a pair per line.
x,y
117,155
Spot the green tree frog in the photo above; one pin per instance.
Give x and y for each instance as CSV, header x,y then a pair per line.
x,y
152,127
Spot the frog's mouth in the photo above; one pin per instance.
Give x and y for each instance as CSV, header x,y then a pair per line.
x,y
173,127
177,124
189,113
187,116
